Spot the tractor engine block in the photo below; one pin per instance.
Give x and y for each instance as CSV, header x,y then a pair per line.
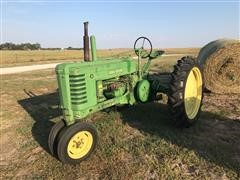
x,y
115,89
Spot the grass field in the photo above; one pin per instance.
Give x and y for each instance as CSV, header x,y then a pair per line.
x,y
13,58
32,57
134,143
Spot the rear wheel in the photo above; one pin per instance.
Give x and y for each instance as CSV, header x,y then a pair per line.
x,y
76,143
186,92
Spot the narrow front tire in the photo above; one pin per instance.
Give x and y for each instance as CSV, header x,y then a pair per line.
x,y
77,143
52,138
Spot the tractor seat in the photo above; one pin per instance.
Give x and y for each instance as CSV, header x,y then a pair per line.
x,y
156,53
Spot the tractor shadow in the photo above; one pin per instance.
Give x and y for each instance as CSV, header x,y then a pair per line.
x,y
43,109
214,138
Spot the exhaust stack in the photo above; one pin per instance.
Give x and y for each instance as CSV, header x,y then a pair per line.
x,y
86,42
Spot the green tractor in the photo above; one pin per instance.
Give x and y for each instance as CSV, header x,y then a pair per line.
x,y
93,85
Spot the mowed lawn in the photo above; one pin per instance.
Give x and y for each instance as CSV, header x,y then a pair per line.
x,y
138,142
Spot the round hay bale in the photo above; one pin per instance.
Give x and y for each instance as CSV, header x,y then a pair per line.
x,y
220,60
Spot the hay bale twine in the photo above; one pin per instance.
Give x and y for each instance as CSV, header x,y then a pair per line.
x,y
220,60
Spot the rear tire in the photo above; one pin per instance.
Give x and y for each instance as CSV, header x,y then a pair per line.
x,y
186,92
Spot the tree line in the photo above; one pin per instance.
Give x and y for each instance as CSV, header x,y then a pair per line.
x,y
30,46
22,46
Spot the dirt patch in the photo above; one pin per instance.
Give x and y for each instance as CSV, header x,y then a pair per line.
x,y
8,148
225,105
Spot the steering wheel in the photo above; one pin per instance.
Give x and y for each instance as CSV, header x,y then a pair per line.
x,y
139,47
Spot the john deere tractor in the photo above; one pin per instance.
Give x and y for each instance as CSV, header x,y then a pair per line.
x,y
94,85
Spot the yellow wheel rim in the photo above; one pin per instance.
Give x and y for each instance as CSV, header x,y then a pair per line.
x,y
80,144
193,93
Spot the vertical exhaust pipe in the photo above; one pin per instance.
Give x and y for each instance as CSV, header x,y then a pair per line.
x,y
86,42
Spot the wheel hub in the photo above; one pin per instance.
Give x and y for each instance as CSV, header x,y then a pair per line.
x,y
143,90
80,144
193,93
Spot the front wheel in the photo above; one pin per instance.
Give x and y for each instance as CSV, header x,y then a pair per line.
x,y
76,143
52,138
186,92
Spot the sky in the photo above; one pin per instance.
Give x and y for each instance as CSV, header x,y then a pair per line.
x,y
116,24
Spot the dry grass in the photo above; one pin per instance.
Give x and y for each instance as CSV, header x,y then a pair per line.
x,y
32,57
13,58
135,143
182,50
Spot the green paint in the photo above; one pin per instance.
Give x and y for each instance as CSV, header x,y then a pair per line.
x,y
88,87
143,90
93,48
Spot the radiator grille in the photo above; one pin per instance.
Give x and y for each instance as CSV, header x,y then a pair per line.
x,y
78,89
